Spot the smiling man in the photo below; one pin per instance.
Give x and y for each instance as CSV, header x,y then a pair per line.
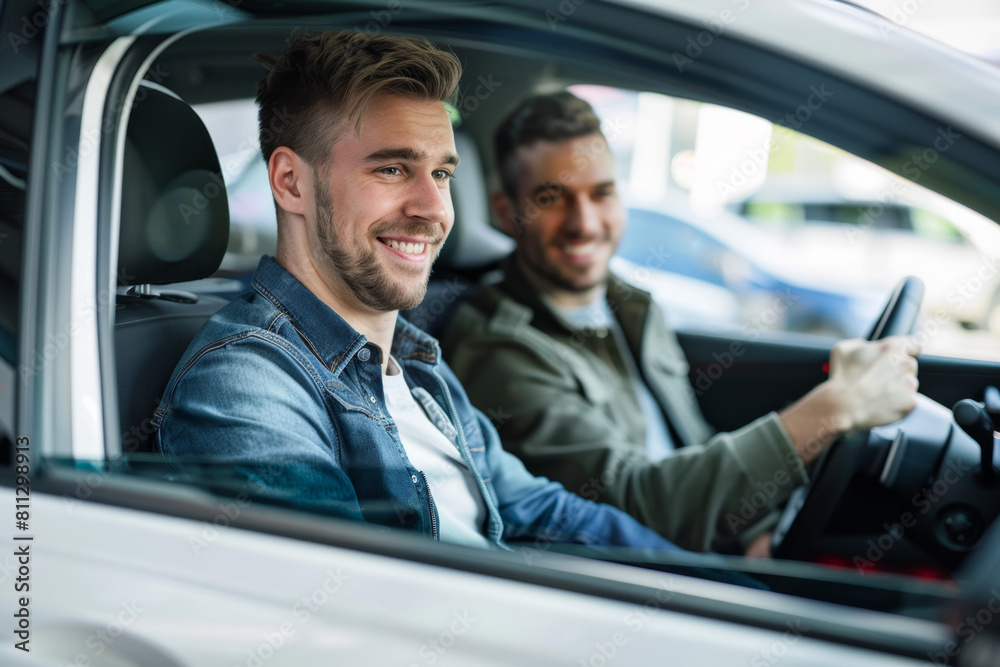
x,y
591,385
311,390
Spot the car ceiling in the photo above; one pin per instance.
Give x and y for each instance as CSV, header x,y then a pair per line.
x,y
603,44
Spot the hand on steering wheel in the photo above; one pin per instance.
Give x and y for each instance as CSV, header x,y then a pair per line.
x,y
810,507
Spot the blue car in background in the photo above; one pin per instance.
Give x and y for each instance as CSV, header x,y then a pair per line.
x,y
728,254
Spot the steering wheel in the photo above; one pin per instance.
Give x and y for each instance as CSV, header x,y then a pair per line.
x,y
810,507
900,313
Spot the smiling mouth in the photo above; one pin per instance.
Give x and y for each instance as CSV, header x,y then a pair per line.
x,y
580,249
415,249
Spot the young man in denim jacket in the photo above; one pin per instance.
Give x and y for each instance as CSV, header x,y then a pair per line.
x,y
311,388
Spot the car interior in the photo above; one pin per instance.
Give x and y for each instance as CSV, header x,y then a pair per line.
x,y
164,229
174,228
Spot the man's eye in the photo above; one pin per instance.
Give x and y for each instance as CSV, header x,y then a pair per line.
x,y
444,175
545,199
390,171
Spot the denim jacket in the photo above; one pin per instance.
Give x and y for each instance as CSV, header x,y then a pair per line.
x,y
286,397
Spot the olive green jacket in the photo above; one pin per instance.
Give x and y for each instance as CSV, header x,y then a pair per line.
x,y
562,403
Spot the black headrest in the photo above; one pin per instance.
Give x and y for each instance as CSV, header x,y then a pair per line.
x,y
174,215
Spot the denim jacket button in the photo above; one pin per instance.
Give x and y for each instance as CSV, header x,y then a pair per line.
x,y
364,354
373,398
414,478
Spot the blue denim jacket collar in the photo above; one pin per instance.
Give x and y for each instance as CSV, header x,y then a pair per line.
x,y
326,333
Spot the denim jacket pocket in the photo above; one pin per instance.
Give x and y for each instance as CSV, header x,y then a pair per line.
x,y
348,399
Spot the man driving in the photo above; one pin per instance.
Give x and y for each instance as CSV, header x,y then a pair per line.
x,y
591,386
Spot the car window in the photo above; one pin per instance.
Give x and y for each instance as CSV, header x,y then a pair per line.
x,y
796,215
252,221
702,256
692,172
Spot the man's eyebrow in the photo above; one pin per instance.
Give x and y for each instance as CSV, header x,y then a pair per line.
x,y
409,155
548,186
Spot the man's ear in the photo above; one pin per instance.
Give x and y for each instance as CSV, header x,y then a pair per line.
x,y
291,181
503,207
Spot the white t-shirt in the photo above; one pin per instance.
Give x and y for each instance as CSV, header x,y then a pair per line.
x,y
460,507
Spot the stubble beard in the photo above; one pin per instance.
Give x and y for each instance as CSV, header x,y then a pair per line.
x,y
361,271
535,259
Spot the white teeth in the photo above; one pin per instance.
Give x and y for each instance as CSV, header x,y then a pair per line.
x,y
408,248
582,249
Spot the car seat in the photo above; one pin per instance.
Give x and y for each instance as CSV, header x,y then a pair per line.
x,y
174,228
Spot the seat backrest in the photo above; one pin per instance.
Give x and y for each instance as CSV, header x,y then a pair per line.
x,y
174,228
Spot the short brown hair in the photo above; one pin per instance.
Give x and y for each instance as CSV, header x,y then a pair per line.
x,y
324,79
549,117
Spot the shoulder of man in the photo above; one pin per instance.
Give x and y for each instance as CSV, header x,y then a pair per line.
x,y
487,311
491,319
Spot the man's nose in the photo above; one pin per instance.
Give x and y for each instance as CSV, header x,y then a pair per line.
x,y
584,217
427,200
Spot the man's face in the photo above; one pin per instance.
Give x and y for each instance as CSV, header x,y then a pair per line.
x,y
570,216
383,204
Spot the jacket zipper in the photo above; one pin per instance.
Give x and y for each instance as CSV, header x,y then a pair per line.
x,y
430,506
